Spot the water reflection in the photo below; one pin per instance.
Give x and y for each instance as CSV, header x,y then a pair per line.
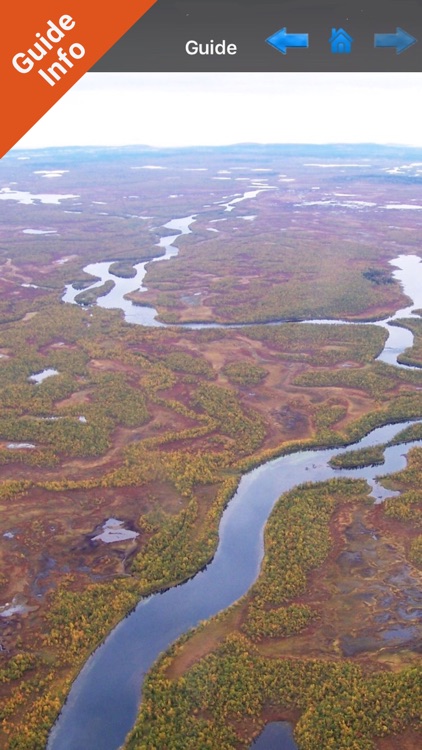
x,y
278,735
408,273
103,702
115,299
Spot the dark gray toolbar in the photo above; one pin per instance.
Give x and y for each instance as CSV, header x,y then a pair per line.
x,y
308,35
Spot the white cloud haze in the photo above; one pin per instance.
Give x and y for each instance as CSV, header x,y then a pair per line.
x,y
184,109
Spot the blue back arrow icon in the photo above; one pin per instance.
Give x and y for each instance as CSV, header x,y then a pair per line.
x,y
401,40
281,40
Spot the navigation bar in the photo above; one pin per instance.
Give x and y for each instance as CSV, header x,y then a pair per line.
x,y
272,35
341,41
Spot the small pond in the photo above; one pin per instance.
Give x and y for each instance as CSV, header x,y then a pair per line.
x,y
278,735
38,377
114,531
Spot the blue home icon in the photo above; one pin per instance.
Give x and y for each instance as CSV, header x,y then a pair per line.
x,y
341,42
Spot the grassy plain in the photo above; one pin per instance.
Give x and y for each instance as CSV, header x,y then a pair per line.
x,y
155,426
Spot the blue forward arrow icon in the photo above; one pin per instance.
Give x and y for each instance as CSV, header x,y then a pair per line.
x,y
281,40
401,40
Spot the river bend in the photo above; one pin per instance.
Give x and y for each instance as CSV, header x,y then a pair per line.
x,y
408,272
103,702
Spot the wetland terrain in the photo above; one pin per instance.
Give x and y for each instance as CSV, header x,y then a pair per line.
x,y
193,341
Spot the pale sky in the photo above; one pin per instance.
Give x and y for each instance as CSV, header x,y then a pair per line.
x,y
188,109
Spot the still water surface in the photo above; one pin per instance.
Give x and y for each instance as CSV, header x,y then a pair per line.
x,y
103,702
408,272
278,735
104,699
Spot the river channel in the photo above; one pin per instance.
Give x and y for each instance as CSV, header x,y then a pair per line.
x,y
102,705
408,272
104,699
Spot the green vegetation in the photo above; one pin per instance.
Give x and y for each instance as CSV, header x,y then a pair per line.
x,y
123,268
377,379
372,456
379,276
322,345
340,706
179,361
244,373
290,276
275,623
30,457
194,437
154,426
119,401
408,435
326,415
415,551
402,407
409,478
173,553
220,699
90,296
17,666
407,506
297,539
413,356
77,621
246,428
85,282
63,435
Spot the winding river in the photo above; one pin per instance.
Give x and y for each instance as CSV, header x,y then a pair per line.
x,y
104,699
408,273
138,314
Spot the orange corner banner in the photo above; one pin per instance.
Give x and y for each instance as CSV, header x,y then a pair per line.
x,y
47,47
